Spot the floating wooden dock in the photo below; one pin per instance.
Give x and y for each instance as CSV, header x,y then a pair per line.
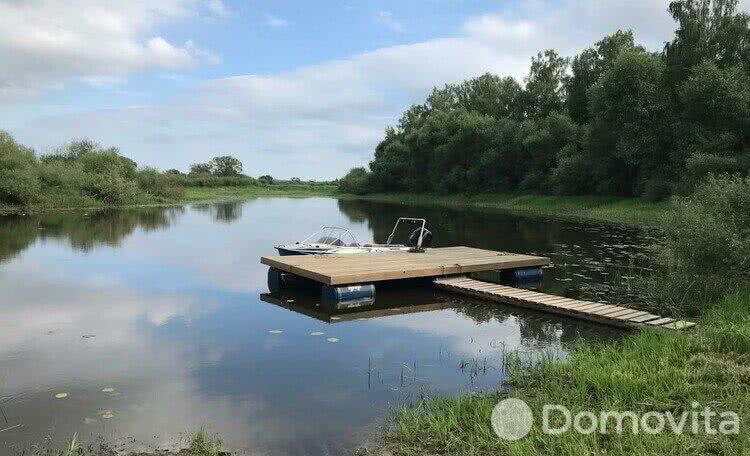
x,y
378,267
585,310
353,275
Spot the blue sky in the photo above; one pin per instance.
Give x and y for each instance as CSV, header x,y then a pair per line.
x,y
292,88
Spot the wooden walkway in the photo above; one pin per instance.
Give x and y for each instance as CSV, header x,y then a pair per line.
x,y
378,267
592,311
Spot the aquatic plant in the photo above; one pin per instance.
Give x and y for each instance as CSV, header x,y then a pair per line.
x,y
204,444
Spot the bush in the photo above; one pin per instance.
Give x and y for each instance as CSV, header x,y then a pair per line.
x,y
162,185
19,180
706,252
13,155
572,176
356,181
215,181
699,166
20,186
111,188
108,162
657,189
536,182
62,175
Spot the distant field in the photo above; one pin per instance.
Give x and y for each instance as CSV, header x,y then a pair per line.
x,y
230,193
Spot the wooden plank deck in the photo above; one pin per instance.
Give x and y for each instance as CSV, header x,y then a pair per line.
x,y
585,310
369,268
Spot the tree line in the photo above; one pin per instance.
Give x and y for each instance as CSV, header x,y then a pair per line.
x,y
83,173
615,119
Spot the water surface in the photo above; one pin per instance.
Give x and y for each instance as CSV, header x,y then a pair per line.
x,y
152,323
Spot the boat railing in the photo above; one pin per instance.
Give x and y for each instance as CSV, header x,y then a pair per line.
x,y
328,235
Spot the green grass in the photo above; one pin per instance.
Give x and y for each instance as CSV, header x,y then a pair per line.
x,y
236,193
651,371
204,444
597,208
201,443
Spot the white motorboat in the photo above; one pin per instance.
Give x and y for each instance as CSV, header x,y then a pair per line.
x,y
331,240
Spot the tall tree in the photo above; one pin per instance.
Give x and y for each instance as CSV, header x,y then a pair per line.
x,y
545,91
632,122
588,66
226,166
487,94
710,30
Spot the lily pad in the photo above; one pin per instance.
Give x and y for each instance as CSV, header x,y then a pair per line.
x,y
332,340
61,395
108,390
317,333
276,331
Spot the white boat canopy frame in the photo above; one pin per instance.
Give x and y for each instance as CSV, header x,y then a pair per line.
x,y
422,229
328,235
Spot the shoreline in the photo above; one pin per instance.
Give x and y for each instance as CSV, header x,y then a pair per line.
x,y
695,367
192,195
623,211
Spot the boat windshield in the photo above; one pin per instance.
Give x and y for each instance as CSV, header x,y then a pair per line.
x,y
408,223
333,236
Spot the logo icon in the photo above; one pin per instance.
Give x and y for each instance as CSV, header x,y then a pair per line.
x,y
512,419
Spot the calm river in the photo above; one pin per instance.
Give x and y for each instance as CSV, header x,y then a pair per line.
x,y
141,325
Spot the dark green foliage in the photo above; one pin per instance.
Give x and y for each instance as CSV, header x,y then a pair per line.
x,y
620,121
207,180
545,91
572,176
708,30
226,166
19,178
80,174
356,182
706,252
588,66
197,169
266,179
632,122
159,184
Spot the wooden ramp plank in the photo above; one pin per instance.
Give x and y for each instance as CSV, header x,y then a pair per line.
x,y
586,310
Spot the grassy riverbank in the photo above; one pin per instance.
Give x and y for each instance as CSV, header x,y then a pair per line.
x,y
594,208
190,195
651,371
701,271
193,194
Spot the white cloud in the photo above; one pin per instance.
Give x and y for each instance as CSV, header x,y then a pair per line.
x,y
46,43
276,22
386,18
217,7
494,28
320,120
